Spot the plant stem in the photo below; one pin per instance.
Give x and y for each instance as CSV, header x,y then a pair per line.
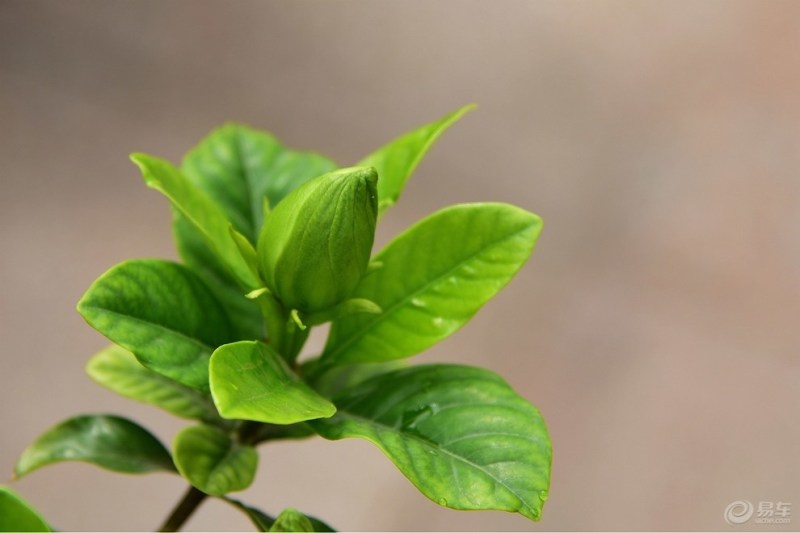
x,y
188,504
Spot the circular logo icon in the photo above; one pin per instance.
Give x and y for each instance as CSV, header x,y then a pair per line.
x,y
738,512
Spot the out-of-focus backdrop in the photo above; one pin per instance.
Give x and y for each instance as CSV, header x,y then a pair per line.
x,y
656,326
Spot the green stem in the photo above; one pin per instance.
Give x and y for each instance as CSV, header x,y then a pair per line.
x,y
249,431
275,316
181,513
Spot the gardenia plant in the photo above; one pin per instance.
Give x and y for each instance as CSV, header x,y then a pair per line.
x,y
273,243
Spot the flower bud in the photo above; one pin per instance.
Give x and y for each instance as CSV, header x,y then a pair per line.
x,y
315,245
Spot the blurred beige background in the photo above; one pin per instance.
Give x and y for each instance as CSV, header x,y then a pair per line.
x,y
656,326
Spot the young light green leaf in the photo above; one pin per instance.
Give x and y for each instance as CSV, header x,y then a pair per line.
x,y
434,278
200,210
290,520
18,515
250,381
111,442
397,160
238,166
461,435
245,315
163,313
118,370
213,462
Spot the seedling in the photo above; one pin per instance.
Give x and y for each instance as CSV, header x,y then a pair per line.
x,y
275,242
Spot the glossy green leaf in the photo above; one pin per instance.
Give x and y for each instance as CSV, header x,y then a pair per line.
x,y
238,166
245,315
213,462
163,313
434,277
290,520
250,381
461,435
397,160
118,370
18,515
200,210
111,442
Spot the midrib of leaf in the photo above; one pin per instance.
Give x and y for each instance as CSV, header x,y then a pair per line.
x,y
359,332
428,444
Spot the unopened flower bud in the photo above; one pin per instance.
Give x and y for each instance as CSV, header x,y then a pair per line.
x,y
315,245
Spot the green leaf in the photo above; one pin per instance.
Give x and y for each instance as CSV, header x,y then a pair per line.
x,y
319,525
260,519
200,210
290,520
213,462
238,166
247,250
264,522
250,381
461,435
111,442
434,278
245,315
163,313
118,370
397,160
17,515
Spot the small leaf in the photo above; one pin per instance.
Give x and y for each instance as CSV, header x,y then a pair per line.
x,y
397,160
111,442
198,209
214,463
319,526
435,277
163,313
461,435
260,519
245,315
118,370
264,522
18,515
250,381
290,520
238,167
